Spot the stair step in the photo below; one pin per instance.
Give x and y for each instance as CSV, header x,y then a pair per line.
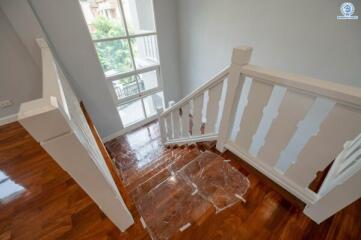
x,y
161,173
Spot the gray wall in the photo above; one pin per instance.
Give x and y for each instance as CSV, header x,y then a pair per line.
x,y
20,76
167,27
301,37
64,25
25,25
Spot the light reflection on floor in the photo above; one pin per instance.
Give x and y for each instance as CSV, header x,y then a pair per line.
x,y
137,151
8,188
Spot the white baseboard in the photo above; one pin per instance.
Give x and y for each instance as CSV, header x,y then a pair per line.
x,y
193,139
304,194
8,119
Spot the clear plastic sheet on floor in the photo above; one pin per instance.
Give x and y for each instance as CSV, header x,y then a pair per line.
x,y
216,180
170,207
184,192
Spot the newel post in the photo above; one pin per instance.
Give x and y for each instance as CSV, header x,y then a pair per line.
x,y
240,57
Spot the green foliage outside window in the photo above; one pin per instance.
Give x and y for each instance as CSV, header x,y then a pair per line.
x,y
114,55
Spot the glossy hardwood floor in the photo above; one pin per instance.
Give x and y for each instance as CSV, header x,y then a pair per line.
x,y
51,204
270,212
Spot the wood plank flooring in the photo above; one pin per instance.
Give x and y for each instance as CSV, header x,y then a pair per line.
x,y
53,206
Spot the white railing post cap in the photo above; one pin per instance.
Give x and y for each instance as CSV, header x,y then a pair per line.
x,y
241,55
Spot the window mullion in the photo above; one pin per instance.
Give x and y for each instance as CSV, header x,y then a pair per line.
x,y
127,33
125,37
130,47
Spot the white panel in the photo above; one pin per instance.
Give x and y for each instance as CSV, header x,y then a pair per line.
x,y
293,109
306,129
176,123
197,115
270,112
185,120
242,103
342,124
258,98
213,107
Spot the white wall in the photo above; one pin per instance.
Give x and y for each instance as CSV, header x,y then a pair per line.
x,y
20,76
167,27
302,37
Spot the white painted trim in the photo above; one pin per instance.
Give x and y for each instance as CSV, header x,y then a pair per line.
x,y
202,138
208,84
8,119
340,92
129,129
304,194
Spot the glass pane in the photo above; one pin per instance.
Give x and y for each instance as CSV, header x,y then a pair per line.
x,y
139,15
131,113
114,56
103,18
125,87
148,80
145,51
151,103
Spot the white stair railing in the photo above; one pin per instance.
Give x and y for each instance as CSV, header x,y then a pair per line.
x,y
286,126
196,117
342,184
57,122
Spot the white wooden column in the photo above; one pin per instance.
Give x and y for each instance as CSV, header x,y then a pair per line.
x,y
241,56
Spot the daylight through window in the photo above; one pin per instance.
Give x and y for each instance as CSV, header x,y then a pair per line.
x,y
125,38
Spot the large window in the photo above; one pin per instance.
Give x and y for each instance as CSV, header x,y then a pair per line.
x,y
125,38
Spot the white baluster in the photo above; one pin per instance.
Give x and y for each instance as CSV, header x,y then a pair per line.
x,y
213,108
185,120
197,115
258,98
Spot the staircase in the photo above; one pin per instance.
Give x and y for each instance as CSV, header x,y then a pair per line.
x,y
179,186
288,127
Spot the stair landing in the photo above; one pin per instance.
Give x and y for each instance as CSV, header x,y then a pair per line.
x,y
269,213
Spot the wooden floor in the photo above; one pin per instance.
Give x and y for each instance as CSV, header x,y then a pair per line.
x,y
53,206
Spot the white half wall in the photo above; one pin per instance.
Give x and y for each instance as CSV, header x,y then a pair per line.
x,y
302,37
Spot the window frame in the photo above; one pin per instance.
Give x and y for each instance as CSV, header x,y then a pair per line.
x,y
141,95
